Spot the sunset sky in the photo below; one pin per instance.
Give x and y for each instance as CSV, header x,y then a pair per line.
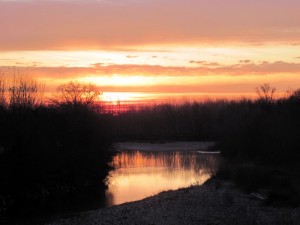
x,y
162,49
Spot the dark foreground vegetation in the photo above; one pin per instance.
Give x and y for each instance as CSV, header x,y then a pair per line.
x,y
50,150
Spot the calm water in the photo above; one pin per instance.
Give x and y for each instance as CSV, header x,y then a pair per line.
x,y
140,174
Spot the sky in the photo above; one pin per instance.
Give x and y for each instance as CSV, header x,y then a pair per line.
x,y
162,49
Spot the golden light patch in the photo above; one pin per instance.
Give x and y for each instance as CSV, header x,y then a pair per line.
x,y
120,80
116,97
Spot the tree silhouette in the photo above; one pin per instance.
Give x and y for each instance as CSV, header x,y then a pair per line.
x,y
23,92
20,91
266,92
77,93
295,95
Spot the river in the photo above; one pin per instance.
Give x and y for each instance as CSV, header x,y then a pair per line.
x,y
140,170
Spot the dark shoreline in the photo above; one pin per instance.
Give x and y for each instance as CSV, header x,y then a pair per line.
x,y
215,202
49,204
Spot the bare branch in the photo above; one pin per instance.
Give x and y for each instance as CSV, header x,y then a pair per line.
x,y
23,92
266,92
77,93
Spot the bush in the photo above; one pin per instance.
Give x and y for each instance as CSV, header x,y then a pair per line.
x,y
50,148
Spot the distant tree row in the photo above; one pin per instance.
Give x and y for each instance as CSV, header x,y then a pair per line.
x,y
264,129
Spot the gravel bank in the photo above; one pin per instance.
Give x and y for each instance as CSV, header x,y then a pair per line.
x,y
212,203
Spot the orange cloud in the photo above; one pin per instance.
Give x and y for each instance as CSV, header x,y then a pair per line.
x,y
213,69
237,78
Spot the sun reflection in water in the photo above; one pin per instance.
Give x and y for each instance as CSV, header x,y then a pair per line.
x,y
141,174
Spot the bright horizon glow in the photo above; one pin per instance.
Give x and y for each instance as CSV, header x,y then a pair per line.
x,y
121,97
189,47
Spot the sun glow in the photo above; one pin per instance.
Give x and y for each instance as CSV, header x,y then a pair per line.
x,y
163,73
121,97
119,80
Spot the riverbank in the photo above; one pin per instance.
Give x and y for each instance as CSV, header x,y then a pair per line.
x,y
166,146
215,202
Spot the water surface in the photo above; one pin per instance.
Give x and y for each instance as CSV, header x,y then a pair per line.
x,y
140,174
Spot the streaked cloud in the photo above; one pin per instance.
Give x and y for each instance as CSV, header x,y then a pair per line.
x,y
205,63
246,61
98,69
131,56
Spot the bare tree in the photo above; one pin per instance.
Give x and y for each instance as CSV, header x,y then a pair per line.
x,y
18,89
77,93
266,92
23,92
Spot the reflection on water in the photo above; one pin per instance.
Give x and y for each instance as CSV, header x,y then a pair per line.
x,y
141,174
